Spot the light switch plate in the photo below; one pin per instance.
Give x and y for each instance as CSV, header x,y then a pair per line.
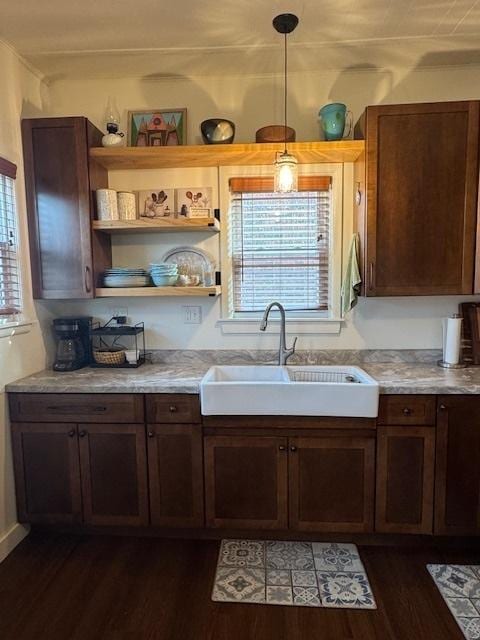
x,y
192,314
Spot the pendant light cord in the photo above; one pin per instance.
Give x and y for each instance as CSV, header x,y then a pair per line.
x,y
285,97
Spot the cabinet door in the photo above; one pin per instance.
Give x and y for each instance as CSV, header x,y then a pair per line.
x,y
113,462
246,482
457,479
332,483
58,206
47,473
175,472
405,475
422,178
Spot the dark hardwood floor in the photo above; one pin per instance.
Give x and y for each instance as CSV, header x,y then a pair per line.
x,y
60,587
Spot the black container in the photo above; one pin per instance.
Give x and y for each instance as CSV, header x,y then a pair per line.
x,y
217,131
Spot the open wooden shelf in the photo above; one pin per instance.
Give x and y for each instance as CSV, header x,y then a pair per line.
x,y
223,154
154,292
146,225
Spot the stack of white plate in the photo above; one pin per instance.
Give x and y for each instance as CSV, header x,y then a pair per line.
x,y
126,277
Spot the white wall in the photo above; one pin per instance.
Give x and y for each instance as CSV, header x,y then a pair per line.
x,y
21,95
252,102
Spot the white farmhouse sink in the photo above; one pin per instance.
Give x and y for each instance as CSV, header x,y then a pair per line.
x,y
289,391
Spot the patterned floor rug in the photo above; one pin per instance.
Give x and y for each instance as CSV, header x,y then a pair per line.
x,y
460,588
309,574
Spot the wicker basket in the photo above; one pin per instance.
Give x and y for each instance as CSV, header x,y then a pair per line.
x,y
104,356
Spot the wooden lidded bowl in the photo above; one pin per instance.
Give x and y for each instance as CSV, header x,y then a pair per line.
x,y
275,133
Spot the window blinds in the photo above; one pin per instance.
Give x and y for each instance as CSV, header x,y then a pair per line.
x,y
280,245
10,296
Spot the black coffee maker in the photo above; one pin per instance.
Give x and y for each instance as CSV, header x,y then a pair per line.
x,y
73,343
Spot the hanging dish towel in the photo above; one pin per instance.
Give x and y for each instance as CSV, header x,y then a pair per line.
x,y
352,280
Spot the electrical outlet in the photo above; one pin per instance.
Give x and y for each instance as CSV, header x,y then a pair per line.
x,y
119,312
192,315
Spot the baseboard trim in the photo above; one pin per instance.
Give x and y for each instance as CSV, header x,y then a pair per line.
x,y
11,538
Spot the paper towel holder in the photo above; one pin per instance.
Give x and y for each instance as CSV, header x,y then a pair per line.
x,y
449,365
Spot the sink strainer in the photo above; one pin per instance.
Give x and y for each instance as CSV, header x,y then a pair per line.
x,y
322,376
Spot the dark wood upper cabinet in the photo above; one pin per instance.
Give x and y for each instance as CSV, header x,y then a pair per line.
x,y
418,182
66,258
331,483
457,479
113,462
405,479
47,473
175,473
246,482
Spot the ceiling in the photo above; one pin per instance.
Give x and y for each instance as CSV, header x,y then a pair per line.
x,y
156,38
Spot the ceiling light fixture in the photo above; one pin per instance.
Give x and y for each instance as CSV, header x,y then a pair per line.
x,y
286,166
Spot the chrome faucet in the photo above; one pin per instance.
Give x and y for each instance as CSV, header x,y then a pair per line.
x,y
283,352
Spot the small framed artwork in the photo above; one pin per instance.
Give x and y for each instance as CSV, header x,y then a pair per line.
x,y
156,203
157,128
195,202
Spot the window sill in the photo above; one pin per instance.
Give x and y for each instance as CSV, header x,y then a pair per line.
x,y
11,329
294,326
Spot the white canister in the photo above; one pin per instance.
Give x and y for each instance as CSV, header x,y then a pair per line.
x,y
107,208
127,205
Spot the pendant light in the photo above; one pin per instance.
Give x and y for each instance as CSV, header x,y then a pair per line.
x,y
286,166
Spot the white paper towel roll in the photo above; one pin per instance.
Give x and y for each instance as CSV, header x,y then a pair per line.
x,y
452,330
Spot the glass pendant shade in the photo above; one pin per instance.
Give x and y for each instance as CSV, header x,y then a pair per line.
x,y
286,173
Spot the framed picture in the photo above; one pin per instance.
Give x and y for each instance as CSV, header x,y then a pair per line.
x,y
157,128
195,202
156,203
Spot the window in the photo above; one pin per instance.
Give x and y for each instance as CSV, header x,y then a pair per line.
x,y
10,294
280,245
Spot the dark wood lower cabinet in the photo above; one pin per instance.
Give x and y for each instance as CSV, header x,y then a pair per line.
x,y
47,473
331,483
175,471
457,474
405,479
246,482
113,463
247,472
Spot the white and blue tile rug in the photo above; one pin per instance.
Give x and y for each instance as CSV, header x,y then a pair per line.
x,y
460,588
308,574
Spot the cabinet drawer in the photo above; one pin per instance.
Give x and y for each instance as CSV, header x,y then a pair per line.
x,y
406,409
173,408
76,407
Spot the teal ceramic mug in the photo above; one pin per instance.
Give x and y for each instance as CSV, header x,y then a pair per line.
x,y
333,120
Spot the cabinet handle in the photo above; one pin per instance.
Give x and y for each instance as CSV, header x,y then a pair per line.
x,y
172,408
82,434
293,449
407,411
150,434
371,276
282,447
73,409
442,407
88,279
71,433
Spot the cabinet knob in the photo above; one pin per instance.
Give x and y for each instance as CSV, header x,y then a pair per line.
x,y
442,407
82,434
282,447
71,433
150,434
172,408
293,449
407,411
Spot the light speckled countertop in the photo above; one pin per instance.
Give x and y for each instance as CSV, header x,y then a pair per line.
x,y
185,378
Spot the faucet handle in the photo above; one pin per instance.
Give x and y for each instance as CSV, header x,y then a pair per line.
x,y
294,344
